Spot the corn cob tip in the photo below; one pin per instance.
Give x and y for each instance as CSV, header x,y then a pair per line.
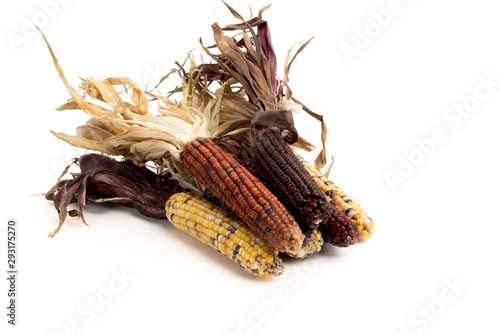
x,y
313,241
339,230
275,268
366,227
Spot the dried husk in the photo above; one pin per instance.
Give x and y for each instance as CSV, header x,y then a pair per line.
x,y
103,179
248,58
120,128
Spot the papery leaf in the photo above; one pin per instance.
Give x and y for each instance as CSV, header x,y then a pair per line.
x,y
320,160
288,65
234,12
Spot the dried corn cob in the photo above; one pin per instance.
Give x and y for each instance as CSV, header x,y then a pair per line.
x,y
339,230
225,233
313,241
236,188
287,178
342,200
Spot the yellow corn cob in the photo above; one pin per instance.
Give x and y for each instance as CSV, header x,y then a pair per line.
x,y
342,200
224,232
313,241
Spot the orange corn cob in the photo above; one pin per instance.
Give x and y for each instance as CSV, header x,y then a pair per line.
x,y
243,193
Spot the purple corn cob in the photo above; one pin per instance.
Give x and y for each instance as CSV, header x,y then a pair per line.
x,y
339,230
287,178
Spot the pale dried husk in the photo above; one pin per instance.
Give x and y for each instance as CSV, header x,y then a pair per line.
x,y
126,129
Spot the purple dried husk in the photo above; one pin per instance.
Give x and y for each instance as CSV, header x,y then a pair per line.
x,y
104,179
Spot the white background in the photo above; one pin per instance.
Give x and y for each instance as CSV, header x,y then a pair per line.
x,y
438,226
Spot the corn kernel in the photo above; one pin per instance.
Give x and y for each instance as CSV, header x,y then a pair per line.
x,y
223,232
